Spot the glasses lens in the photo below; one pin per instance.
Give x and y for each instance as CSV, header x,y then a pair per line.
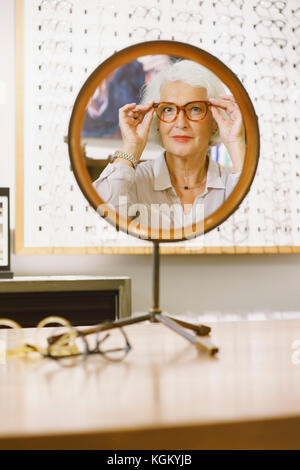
x,y
196,110
114,344
59,342
166,112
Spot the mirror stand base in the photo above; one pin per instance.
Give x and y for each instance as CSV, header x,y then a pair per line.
x,y
178,326
152,312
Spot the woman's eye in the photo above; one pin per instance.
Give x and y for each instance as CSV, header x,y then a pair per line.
x,y
168,109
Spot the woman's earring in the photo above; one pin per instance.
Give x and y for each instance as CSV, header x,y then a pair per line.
x,y
215,127
215,130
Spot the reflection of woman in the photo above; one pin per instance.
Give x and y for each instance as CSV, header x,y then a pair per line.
x,y
180,109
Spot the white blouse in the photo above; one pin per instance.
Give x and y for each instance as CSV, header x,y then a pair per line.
x,y
149,190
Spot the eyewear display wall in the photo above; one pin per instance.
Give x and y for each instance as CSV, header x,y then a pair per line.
x,y
60,43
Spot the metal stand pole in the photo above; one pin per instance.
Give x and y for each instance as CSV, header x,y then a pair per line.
x,y
155,281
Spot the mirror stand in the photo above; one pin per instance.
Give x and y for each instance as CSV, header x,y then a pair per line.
x,y
106,73
178,326
155,280
199,336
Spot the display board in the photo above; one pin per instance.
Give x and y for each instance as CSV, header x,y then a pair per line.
x,y
60,42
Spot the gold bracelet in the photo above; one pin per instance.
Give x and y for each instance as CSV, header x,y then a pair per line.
x,y
126,156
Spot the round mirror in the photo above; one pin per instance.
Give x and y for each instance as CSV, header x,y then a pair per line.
x,y
163,141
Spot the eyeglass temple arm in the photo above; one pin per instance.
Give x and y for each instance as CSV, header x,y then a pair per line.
x,y
104,327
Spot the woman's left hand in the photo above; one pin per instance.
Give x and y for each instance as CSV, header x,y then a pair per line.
x,y
232,131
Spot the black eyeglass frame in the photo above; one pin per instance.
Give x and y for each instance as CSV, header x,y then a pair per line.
x,y
88,351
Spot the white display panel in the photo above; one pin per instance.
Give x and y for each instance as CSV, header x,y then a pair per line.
x,y
64,41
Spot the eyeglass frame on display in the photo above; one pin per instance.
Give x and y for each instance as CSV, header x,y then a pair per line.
x,y
276,2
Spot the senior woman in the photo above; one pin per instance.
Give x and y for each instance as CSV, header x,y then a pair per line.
x,y
185,108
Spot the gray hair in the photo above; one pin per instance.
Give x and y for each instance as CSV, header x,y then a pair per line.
x,y
185,71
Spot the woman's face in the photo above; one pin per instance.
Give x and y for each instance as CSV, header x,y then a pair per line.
x,y
183,137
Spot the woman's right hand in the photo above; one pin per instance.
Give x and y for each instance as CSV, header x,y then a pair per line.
x,y
134,122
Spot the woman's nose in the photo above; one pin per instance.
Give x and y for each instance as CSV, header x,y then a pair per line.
x,y
181,120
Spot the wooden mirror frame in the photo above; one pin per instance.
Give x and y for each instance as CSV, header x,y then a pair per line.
x,y
248,114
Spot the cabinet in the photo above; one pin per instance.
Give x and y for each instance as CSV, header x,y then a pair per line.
x,y
83,300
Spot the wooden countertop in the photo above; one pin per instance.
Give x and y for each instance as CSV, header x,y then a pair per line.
x,y
164,395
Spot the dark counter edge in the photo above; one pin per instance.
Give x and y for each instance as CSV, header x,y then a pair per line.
x,y
264,434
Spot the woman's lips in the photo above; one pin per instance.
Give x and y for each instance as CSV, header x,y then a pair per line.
x,y
181,138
